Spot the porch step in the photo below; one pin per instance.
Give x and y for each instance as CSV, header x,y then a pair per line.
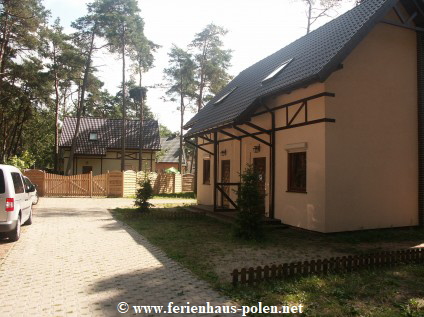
x,y
230,216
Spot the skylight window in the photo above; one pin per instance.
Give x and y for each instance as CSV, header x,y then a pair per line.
x,y
93,136
276,71
225,96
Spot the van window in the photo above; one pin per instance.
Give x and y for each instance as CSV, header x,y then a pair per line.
x,y
2,186
17,183
27,183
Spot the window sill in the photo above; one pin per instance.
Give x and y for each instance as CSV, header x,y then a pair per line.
x,y
296,191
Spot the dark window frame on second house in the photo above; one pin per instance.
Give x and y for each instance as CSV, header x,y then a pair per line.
x,y
206,172
297,171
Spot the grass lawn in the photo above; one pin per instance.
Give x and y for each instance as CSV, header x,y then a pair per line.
x,y
207,247
189,195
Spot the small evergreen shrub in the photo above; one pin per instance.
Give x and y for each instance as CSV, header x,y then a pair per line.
x,y
248,223
144,193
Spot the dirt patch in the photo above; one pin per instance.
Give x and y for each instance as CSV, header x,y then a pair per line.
x,y
252,257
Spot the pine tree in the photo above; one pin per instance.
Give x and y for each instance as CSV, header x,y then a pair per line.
x,y
212,62
180,76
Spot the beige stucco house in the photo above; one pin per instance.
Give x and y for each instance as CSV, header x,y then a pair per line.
x,y
333,122
98,147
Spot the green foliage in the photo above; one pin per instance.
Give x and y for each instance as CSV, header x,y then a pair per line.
x,y
180,76
248,223
23,82
165,132
144,193
24,161
212,63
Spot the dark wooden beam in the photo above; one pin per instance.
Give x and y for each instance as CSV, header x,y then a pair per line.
x,y
252,135
297,112
252,125
223,193
229,139
196,141
399,14
197,146
323,94
205,138
411,18
415,28
306,123
273,170
418,7
215,168
230,135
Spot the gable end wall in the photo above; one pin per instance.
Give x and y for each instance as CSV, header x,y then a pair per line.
x,y
372,149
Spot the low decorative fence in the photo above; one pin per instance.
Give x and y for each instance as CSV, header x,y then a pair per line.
x,y
113,184
174,215
345,264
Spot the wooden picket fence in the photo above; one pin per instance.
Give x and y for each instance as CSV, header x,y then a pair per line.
x,y
345,264
83,185
115,184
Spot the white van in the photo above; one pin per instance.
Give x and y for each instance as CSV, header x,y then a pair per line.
x,y
15,202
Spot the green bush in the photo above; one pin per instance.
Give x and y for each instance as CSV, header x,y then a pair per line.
x,y
248,223
144,193
22,162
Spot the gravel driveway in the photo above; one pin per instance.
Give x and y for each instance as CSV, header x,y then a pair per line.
x,y
76,260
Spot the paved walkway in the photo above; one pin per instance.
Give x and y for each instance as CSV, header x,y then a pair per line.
x,y
76,260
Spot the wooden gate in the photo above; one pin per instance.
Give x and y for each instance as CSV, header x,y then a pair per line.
x,y
100,185
80,185
75,185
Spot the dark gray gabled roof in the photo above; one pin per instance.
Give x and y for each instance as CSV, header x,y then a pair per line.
x,y
171,147
109,133
315,56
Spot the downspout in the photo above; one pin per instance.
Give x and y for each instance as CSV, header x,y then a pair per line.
x,y
420,69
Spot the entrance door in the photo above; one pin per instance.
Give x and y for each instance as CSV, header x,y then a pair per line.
x,y
259,165
87,169
225,178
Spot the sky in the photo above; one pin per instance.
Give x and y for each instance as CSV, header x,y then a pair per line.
x,y
256,29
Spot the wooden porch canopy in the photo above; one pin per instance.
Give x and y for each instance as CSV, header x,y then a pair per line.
x,y
210,137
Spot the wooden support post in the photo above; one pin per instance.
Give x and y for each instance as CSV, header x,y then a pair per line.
x,y
272,171
215,167
196,165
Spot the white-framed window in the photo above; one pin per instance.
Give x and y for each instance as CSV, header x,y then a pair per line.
x,y
276,71
93,136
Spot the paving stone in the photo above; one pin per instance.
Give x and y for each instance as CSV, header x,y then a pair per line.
x,y
77,260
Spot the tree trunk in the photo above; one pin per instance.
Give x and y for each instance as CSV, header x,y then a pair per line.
x,y
57,102
140,153
180,156
202,76
309,16
81,103
123,105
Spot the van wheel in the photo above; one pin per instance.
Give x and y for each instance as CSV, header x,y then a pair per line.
x,y
16,233
29,221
